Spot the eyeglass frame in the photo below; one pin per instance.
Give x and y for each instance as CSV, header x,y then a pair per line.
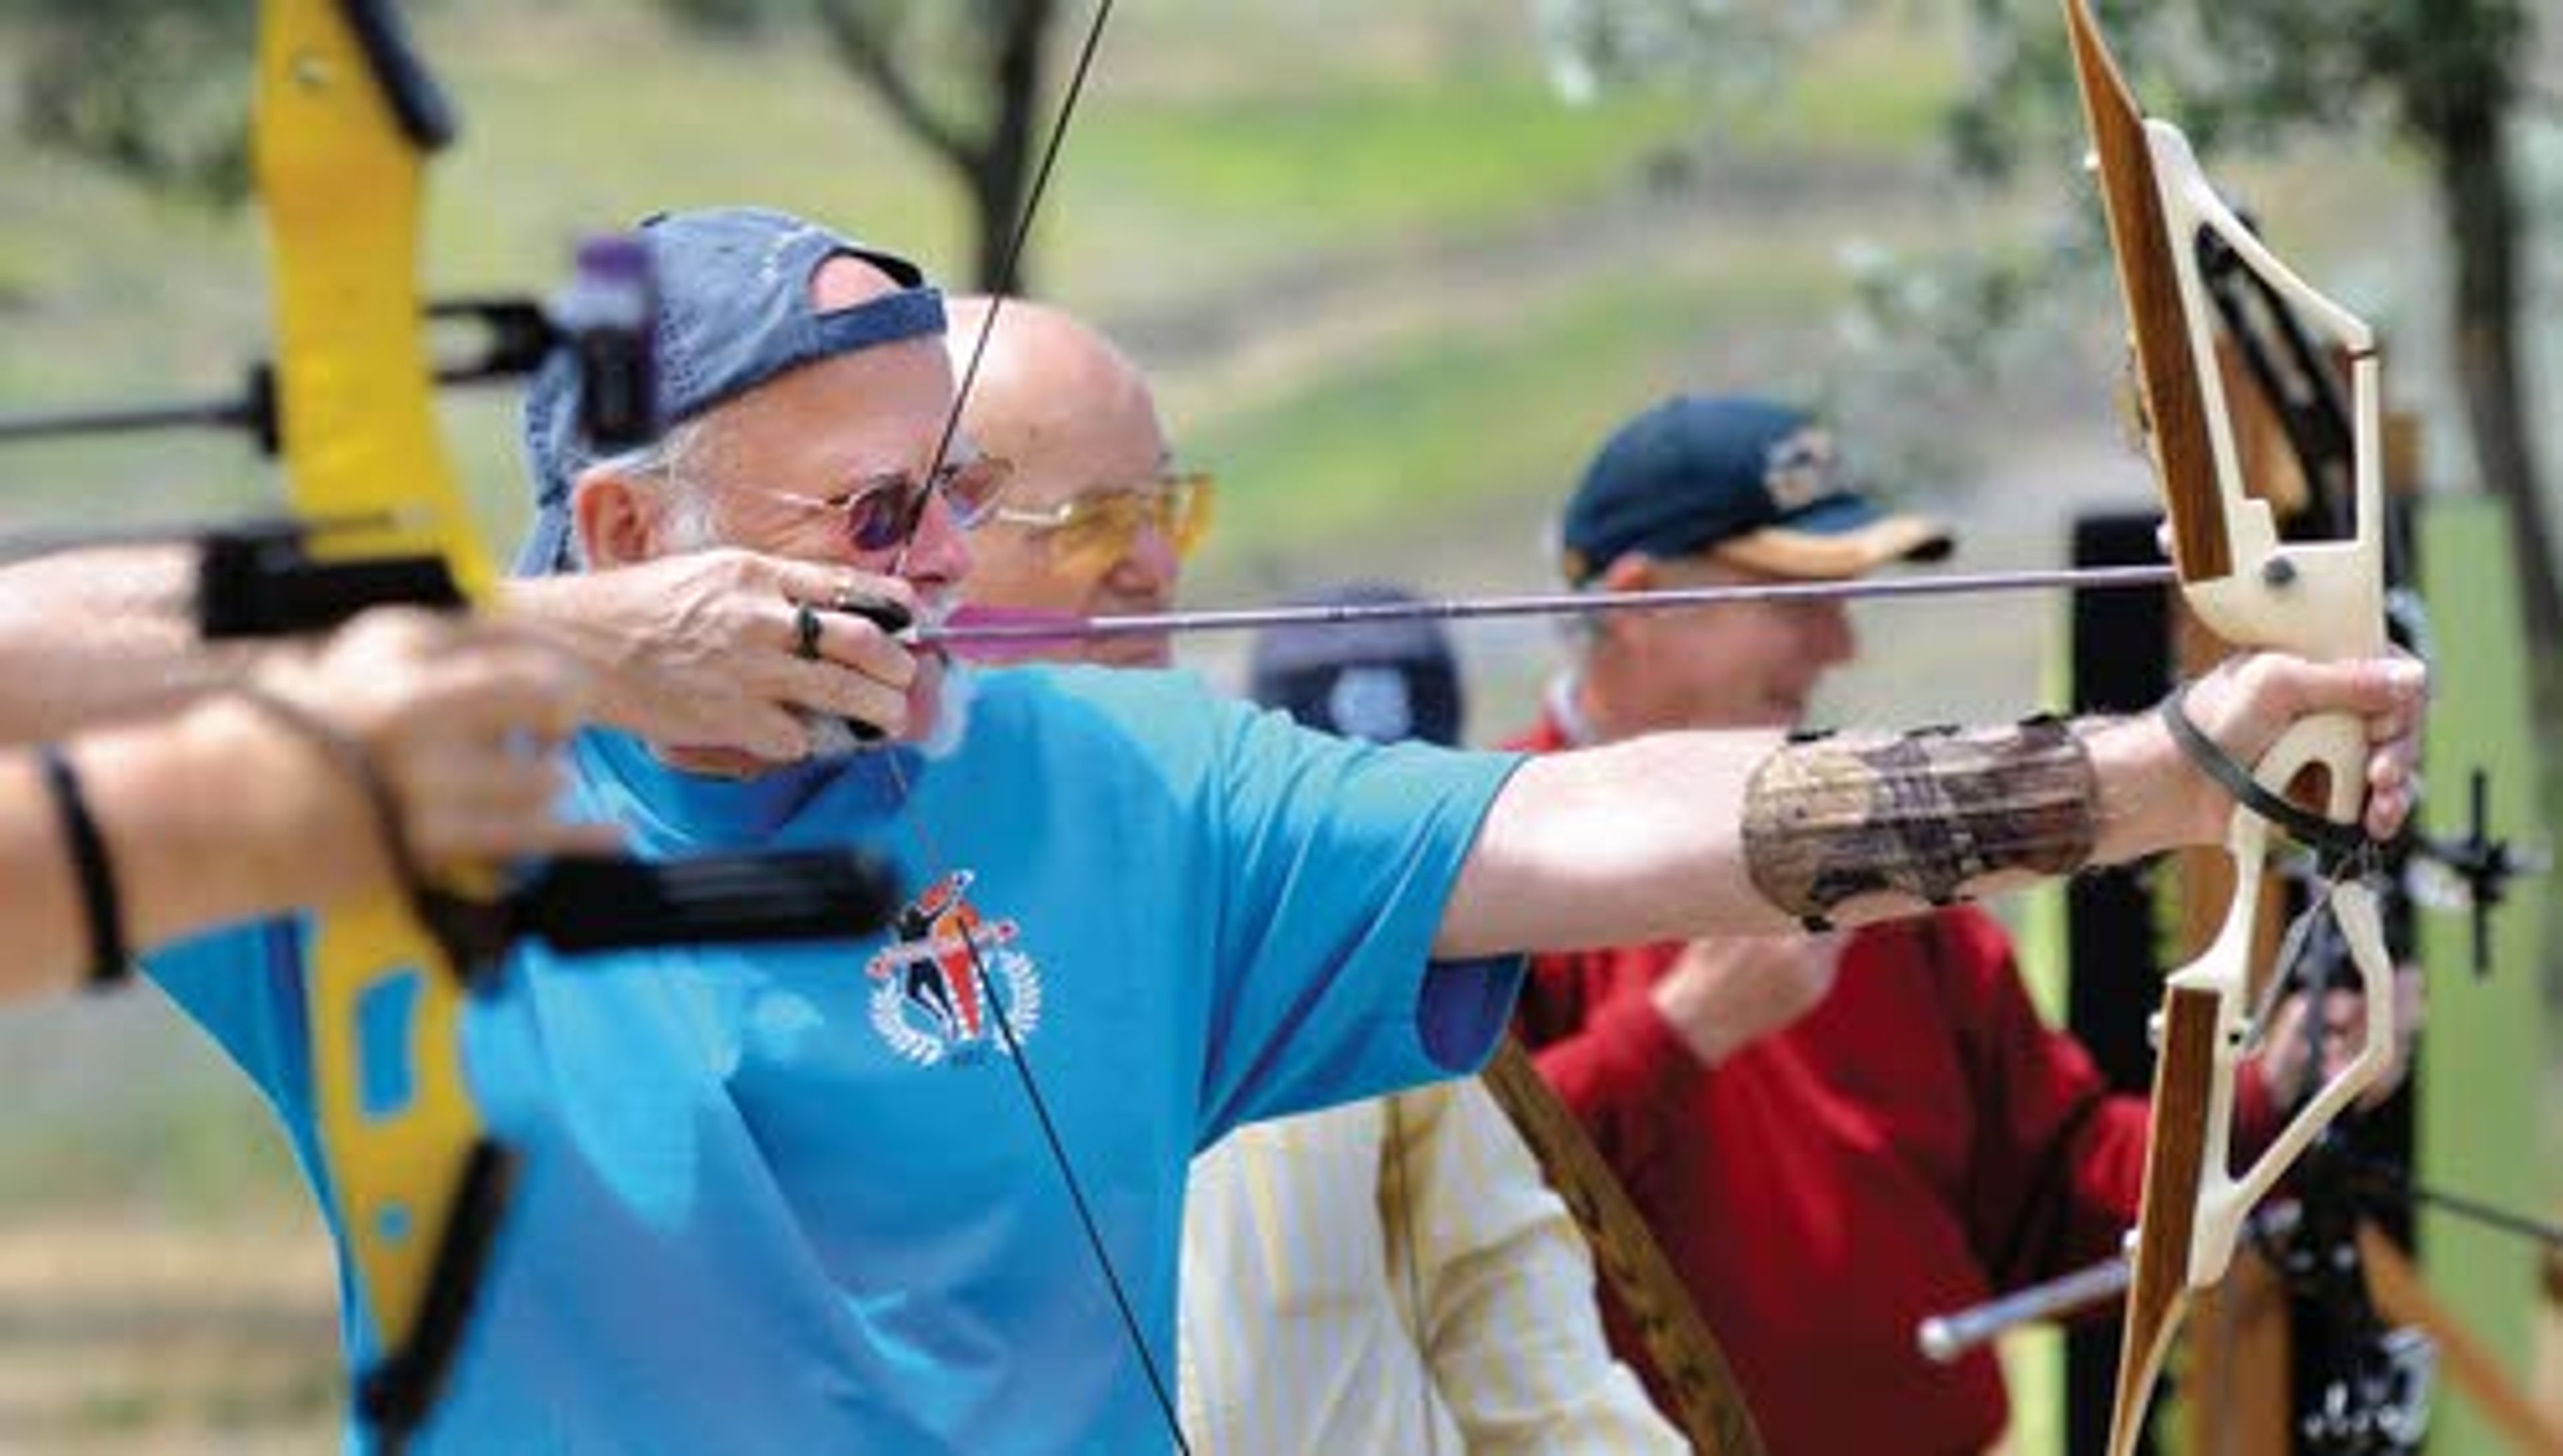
x,y
1196,488
911,507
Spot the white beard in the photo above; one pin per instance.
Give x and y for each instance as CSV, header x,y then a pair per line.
x,y
952,711
832,737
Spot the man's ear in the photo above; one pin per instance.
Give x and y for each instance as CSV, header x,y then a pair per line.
x,y
1629,572
616,518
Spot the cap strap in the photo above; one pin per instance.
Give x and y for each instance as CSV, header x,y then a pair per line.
x,y
891,318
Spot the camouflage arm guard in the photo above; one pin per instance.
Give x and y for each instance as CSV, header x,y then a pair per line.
x,y
1924,814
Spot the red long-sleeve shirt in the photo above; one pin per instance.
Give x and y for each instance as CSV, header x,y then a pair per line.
x,y
1917,1142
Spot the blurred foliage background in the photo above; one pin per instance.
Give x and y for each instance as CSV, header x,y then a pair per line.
x,y
1397,269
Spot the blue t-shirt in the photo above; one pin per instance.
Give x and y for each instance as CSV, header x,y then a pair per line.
x,y
795,1199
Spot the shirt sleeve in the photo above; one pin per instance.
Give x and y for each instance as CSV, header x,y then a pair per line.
x,y
2051,1124
2061,1158
1333,864
1505,1286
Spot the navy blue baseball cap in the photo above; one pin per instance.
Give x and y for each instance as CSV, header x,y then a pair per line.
x,y
732,307
1751,482
1381,680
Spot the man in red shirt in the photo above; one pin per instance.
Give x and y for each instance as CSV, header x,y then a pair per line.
x,y
1833,1136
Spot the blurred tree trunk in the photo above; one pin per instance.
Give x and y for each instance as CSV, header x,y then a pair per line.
x,y
987,139
2458,112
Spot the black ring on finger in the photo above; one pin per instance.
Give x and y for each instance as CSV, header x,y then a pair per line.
x,y
805,632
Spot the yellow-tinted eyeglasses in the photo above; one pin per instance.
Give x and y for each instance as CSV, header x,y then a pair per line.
x,y
1093,532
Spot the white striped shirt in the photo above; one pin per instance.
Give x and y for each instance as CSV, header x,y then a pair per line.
x,y
1394,1277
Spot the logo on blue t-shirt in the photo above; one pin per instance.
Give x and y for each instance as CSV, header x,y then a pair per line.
x,y
943,987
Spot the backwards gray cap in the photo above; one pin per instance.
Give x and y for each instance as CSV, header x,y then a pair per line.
x,y
733,311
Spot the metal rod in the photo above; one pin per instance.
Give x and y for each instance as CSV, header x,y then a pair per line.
x,y
511,357
1944,1338
231,413
1553,603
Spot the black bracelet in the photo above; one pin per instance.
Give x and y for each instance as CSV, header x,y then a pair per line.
x,y
110,961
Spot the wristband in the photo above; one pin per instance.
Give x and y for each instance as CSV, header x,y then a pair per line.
x,y
110,960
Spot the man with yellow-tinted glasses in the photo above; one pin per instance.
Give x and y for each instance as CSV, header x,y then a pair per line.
x,y
1097,520
1386,1275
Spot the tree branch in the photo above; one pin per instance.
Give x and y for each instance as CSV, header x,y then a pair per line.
x,y
866,46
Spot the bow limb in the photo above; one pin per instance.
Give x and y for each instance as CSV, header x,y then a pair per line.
x,y
343,119
2318,599
1708,1404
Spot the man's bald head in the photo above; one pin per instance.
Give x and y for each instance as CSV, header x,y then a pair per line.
x,y
1043,372
1077,419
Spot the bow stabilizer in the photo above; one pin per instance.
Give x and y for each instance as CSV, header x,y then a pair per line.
x,y
1708,1404
2317,599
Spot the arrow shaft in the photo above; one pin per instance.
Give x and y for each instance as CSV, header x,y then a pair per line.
x,y
1552,604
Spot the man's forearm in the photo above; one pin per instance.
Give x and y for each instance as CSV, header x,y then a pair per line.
x,y
1682,834
574,613
1632,841
91,637
178,856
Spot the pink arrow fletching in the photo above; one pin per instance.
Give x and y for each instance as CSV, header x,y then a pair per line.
x,y
997,635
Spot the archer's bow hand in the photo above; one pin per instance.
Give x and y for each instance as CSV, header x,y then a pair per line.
x,y
2245,706
704,649
410,742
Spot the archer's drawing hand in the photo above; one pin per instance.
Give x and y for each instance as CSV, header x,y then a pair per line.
x,y
703,652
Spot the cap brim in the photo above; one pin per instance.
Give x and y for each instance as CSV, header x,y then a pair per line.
x,y
1787,552
546,548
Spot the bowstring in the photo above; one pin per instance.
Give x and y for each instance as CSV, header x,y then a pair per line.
x,y
1092,1230
1159,1390
1012,263
2321,911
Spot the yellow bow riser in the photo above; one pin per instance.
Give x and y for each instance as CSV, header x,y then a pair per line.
x,y
339,152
